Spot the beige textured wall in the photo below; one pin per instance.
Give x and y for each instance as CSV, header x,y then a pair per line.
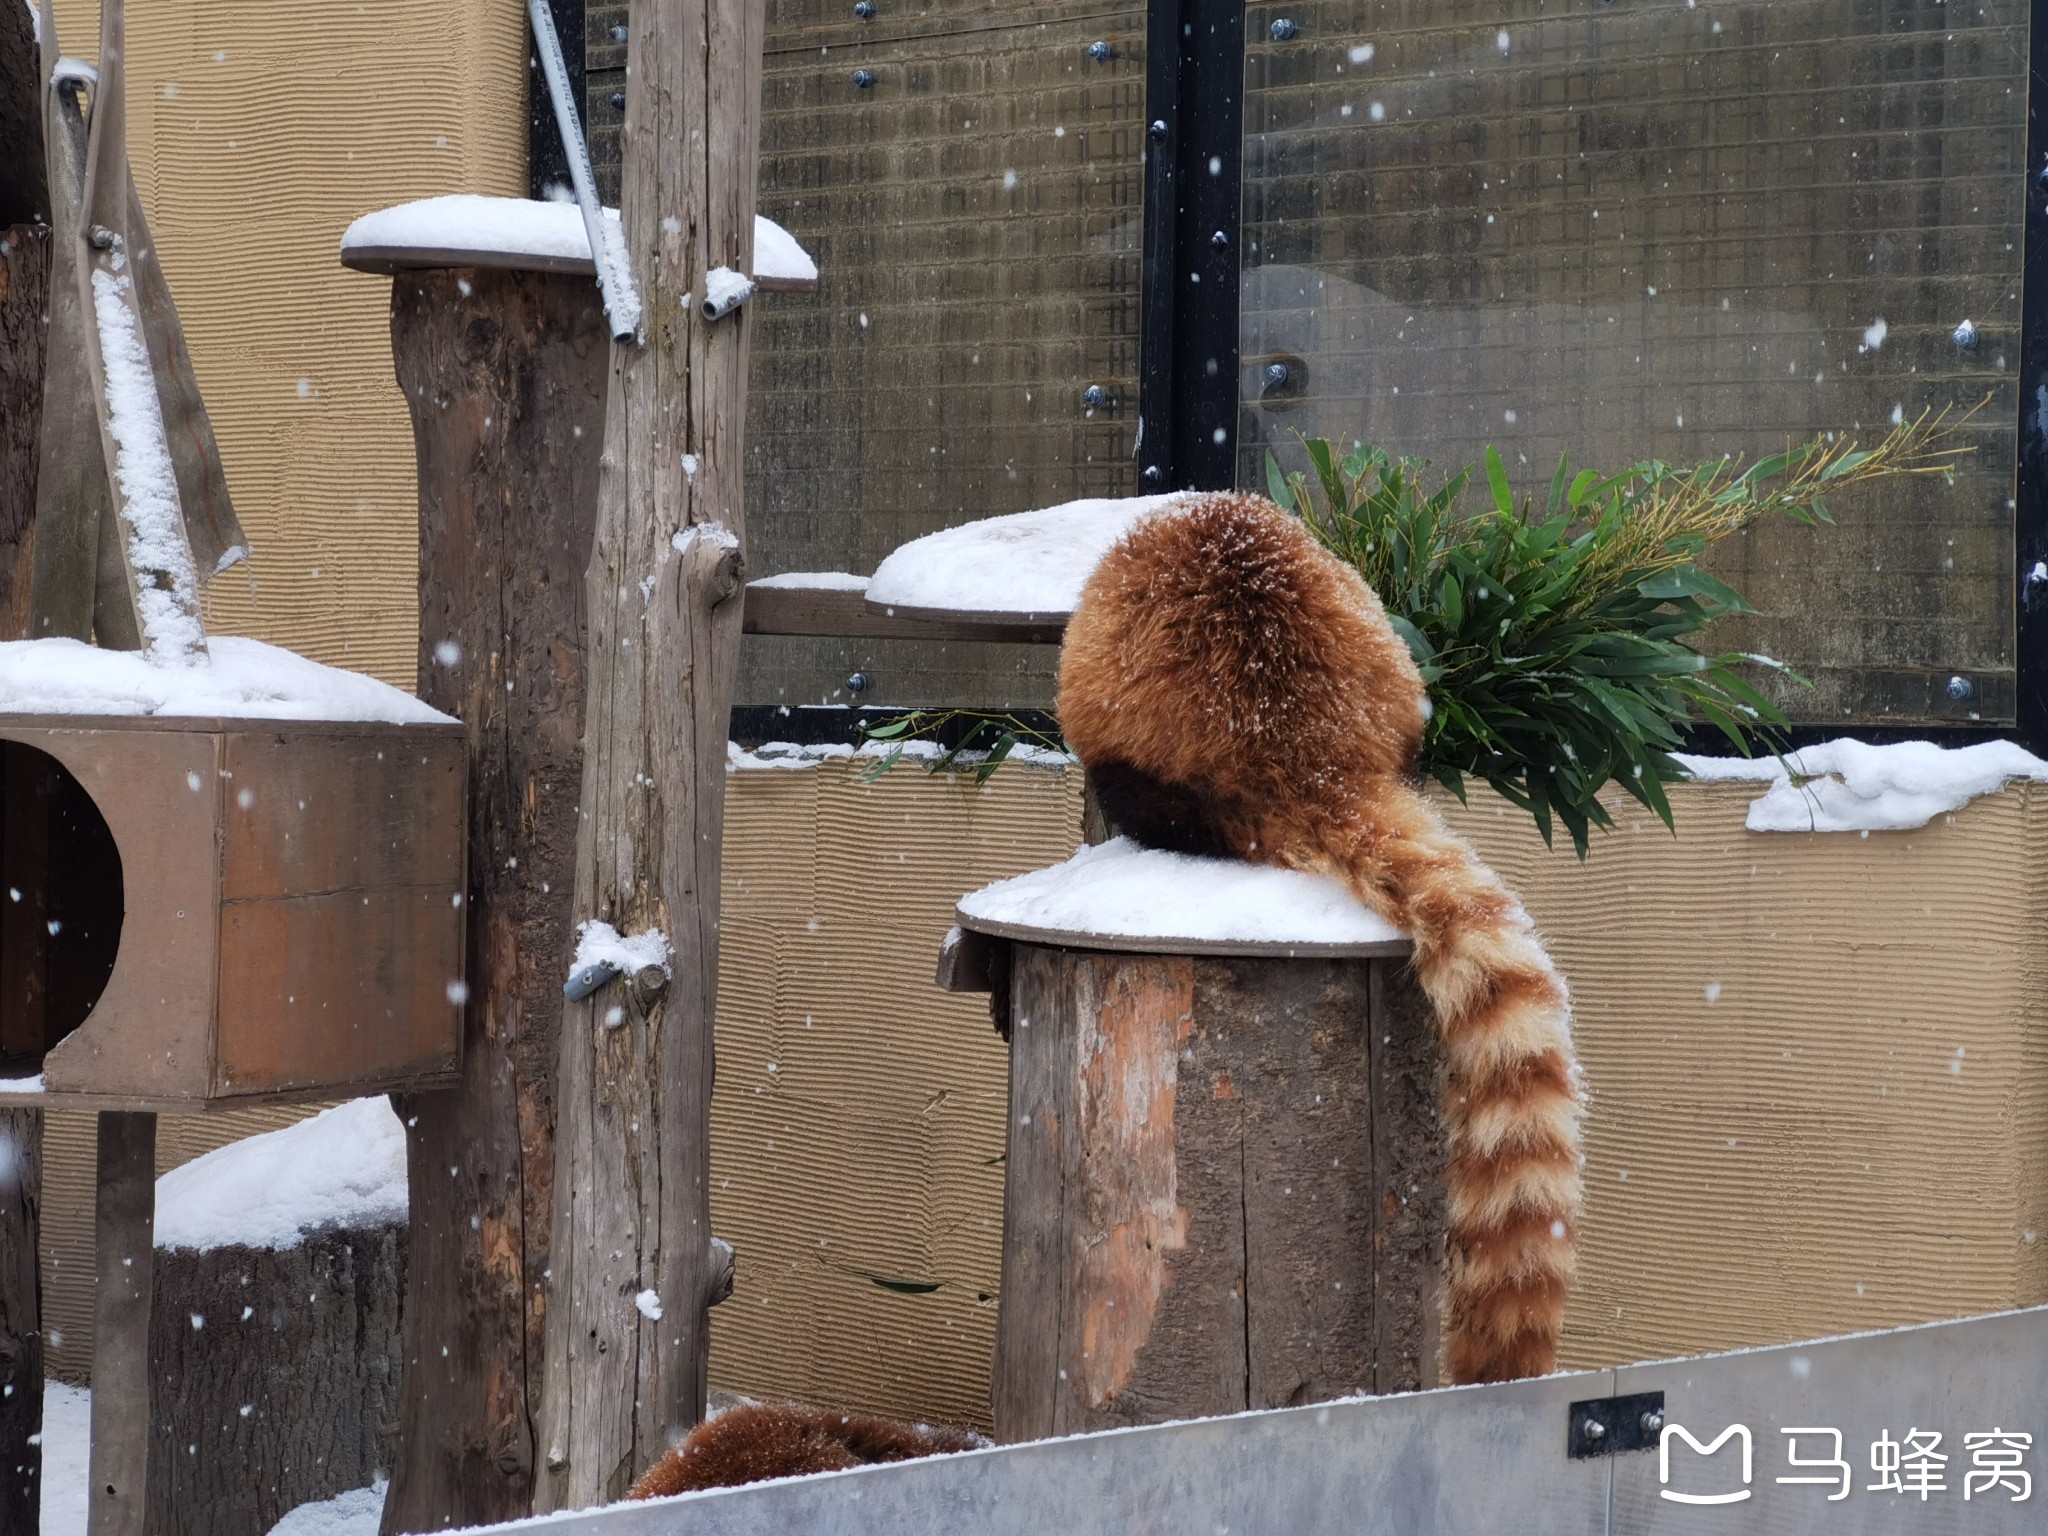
x,y
1808,1152
258,132
1852,1131
857,1126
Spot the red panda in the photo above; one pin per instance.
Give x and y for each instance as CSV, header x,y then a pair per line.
x,y
1233,688
757,1441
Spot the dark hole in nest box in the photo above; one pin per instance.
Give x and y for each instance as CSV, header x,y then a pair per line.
x,y
61,904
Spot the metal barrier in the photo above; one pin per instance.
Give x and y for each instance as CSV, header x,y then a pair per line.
x,y
1923,1430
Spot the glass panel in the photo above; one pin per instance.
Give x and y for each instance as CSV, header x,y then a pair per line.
x,y
976,215
1667,230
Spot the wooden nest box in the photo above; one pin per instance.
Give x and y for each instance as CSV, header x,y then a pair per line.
x,y
199,913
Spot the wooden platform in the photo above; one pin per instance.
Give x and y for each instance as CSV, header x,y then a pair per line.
x,y
845,612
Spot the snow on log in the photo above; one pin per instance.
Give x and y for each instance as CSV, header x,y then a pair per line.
x,y
275,1346
1024,565
247,680
1847,785
1121,896
342,1169
522,232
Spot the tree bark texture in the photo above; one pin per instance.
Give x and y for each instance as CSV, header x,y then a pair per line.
x,y
1224,1188
633,1262
505,376
21,1335
276,1378
24,198
24,330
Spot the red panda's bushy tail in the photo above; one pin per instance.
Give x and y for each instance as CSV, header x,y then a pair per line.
x,y
1512,1105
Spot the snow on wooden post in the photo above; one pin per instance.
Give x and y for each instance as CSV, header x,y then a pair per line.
x,y
132,506
633,1257
1224,1184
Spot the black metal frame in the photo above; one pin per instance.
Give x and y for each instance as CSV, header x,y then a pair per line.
x,y
547,162
1188,372
2030,494
1194,150
823,725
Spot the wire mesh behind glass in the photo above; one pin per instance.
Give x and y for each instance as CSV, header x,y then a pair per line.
x,y
1674,230
970,179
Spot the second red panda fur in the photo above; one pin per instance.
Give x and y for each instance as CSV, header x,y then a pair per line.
x,y
1233,688
757,1441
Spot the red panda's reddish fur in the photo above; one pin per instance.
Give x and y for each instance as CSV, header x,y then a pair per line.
x,y
757,1441
1233,687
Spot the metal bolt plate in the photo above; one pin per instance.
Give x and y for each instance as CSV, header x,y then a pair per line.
x,y
1608,1426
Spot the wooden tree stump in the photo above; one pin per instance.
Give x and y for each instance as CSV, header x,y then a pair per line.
x,y
505,376
1225,1183
276,1378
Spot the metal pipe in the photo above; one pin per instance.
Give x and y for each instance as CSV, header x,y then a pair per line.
x,y
614,279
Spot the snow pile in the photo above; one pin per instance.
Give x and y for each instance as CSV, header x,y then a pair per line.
x,y
777,255
518,226
813,581
600,944
1847,785
356,1513
149,486
247,680
22,1084
782,754
1028,563
1121,891
67,1441
343,1168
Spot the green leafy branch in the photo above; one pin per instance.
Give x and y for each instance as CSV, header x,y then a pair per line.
x,y
1554,639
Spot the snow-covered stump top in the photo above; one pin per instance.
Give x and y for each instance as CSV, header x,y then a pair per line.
x,y
520,233
1024,567
343,1168
1119,896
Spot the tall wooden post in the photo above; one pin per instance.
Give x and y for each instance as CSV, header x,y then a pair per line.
x,y
505,374
118,1468
633,1264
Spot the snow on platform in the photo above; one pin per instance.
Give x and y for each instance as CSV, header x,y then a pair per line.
x,y
523,232
343,1168
245,680
812,581
1122,896
1025,566
1847,785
